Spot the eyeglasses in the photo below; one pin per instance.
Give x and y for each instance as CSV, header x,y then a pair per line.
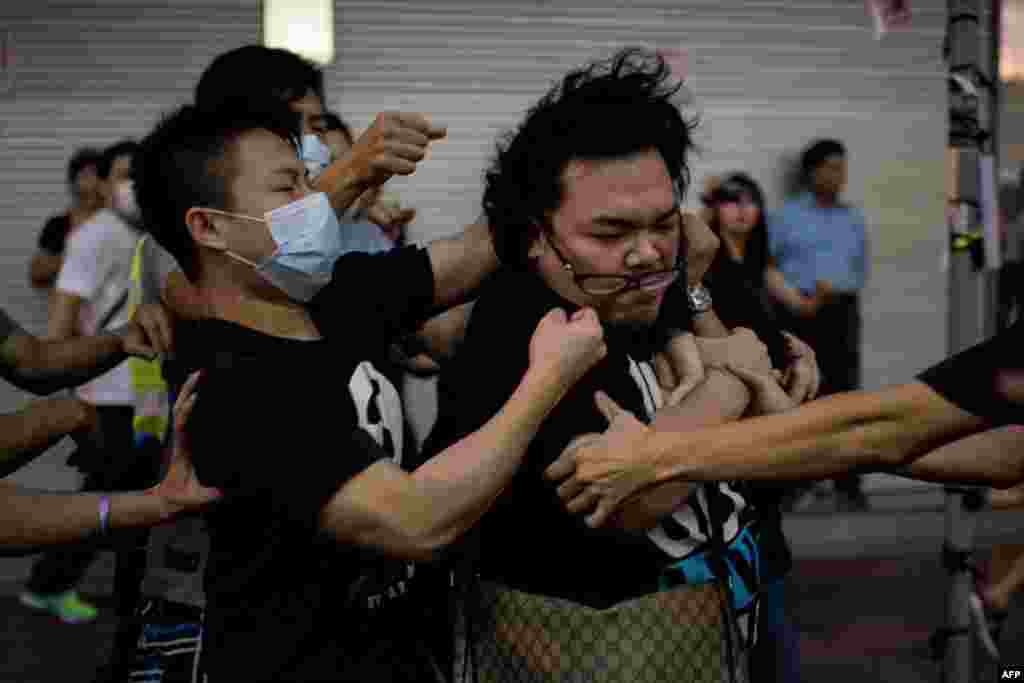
x,y
601,284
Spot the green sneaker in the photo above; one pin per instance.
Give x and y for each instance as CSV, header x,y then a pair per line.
x,y
68,607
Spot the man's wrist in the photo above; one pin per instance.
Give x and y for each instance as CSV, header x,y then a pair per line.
x,y
667,464
72,414
544,384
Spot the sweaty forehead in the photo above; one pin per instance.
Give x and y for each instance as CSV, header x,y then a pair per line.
x,y
636,188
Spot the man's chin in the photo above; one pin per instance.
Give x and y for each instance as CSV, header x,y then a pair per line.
x,y
637,318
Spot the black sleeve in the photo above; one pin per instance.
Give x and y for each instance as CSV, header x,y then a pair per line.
x,y
289,453
494,348
970,379
55,234
374,297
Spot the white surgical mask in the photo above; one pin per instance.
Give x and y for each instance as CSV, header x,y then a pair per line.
x,y
314,154
124,200
308,240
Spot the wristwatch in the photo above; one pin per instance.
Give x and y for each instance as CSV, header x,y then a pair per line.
x,y
699,299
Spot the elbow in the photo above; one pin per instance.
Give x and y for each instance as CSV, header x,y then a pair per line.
x,y
1008,477
429,545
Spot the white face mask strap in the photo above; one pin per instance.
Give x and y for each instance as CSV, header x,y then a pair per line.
x,y
235,215
236,257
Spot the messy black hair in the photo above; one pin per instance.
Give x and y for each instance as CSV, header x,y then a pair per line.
x,y
608,109
258,72
185,162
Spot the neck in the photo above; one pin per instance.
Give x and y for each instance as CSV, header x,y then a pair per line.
x,y
225,299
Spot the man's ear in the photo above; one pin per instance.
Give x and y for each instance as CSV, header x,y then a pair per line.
x,y
537,245
203,230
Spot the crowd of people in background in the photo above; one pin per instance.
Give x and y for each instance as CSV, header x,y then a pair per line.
x,y
235,300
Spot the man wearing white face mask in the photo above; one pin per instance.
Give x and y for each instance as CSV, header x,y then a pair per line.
x,y
91,296
307,578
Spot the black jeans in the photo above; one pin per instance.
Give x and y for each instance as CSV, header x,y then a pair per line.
x,y
115,466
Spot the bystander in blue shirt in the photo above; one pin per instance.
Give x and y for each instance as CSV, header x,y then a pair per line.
x,y
810,242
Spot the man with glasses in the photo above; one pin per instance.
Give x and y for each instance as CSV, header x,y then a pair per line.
x,y
584,219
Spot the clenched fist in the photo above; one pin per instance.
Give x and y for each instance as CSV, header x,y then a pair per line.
x,y
392,145
567,346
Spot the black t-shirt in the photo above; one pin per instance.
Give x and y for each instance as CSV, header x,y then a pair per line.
x,y
528,540
55,234
969,380
280,425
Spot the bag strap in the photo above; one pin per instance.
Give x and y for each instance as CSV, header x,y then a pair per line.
x,y
717,562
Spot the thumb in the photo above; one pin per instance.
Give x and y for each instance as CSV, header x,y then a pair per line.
x,y
609,408
437,132
557,315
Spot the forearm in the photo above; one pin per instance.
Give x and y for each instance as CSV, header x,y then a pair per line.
x,y
461,264
415,516
467,476
46,366
991,458
29,432
63,315
341,183
39,518
825,438
719,399
441,335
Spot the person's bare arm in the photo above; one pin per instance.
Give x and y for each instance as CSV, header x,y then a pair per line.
x,y
45,366
392,145
63,318
718,399
43,268
441,336
855,431
28,433
32,518
416,515
884,429
461,264
974,460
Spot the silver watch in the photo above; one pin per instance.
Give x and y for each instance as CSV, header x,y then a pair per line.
x,y
699,298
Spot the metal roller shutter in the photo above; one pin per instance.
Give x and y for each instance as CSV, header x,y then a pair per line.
x,y
765,76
